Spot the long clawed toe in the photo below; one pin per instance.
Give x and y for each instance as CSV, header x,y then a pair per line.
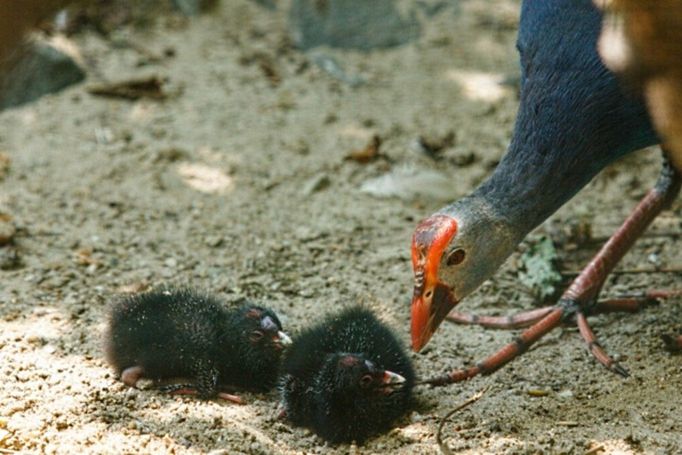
x,y
596,349
179,389
236,399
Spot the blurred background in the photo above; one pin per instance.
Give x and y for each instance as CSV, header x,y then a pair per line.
x,y
284,151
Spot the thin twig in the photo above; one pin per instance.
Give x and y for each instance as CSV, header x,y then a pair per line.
x,y
443,447
604,239
630,271
595,450
568,423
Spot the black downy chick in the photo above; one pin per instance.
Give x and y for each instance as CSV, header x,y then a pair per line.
x,y
346,378
179,333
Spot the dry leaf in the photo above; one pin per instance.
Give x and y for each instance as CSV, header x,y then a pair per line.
x,y
367,154
133,89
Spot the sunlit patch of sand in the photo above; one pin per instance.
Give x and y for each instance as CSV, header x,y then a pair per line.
x,y
479,86
205,178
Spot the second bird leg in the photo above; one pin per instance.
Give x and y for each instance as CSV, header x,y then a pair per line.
x,y
581,296
628,303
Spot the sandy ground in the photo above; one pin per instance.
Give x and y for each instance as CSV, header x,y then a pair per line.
x,y
238,184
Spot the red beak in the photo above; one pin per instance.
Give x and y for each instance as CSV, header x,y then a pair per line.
x,y
432,299
428,311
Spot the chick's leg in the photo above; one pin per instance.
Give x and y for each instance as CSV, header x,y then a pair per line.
x,y
206,386
131,375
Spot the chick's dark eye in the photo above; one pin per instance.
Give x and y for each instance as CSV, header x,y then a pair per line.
x,y
256,335
366,380
456,257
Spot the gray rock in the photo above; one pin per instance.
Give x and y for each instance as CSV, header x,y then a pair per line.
x,y
317,183
409,183
565,394
354,24
7,229
40,68
269,4
332,67
433,7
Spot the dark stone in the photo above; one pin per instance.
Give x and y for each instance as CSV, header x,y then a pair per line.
x,y
434,7
39,69
193,7
269,4
352,24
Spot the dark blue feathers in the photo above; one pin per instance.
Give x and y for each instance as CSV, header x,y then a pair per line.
x,y
574,117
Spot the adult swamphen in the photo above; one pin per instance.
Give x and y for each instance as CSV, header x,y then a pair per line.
x,y
574,119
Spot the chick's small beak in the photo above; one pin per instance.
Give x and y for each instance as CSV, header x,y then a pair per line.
x,y
428,311
392,382
282,340
392,378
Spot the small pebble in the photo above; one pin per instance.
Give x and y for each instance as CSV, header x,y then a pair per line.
x,y
315,184
9,258
214,241
7,229
4,164
537,392
565,394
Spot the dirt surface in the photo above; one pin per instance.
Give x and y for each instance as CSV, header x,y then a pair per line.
x,y
237,184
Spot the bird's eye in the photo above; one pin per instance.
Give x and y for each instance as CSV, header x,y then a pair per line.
x,y
456,257
256,335
366,380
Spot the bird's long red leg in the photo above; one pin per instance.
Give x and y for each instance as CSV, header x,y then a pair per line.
x,y
583,291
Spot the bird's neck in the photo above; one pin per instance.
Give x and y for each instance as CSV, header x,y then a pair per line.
x,y
574,116
523,193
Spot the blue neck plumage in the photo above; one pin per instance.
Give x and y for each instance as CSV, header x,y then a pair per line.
x,y
574,117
